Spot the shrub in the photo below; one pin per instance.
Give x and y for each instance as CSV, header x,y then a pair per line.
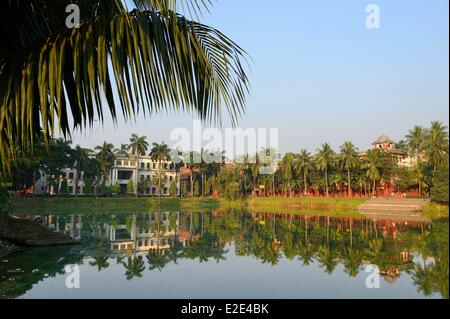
x,y
116,189
130,188
105,191
173,189
87,189
439,191
196,189
64,188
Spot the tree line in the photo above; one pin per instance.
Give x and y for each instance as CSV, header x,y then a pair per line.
x,y
345,173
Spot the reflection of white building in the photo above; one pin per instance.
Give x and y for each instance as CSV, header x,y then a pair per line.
x,y
132,237
72,176
127,168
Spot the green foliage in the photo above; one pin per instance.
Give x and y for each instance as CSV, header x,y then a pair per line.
x,y
173,189
64,187
116,189
87,189
439,191
209,186
232,192
105,191
184,190
196,189
130,187
143,185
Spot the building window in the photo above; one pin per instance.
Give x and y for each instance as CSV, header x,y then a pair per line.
x,y
119,163
142,177
70,189
142,165
170,178
71,175
154,165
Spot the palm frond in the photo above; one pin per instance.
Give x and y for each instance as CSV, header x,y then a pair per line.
x,y
151,59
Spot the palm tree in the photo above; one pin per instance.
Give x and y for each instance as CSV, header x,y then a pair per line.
x,y
122,150
81,161
154,57
436,144
105,157
349,160
324,159
138,146
159,153
373,167
255,167
415,140
287,170
304,166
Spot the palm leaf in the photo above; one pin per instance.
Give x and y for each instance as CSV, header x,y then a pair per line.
x,y
150,59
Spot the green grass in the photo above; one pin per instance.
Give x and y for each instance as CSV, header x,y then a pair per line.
x,y
436,211
316,206
109,205
308,205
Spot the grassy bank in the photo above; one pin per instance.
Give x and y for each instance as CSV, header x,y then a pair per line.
x,y
436,211
303,203
109,205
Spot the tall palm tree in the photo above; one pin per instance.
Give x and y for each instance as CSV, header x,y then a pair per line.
x,y
105,157
304,165
153,56
373,167
287,170
324,159
255,170
349,160
415,139
81,161
122,150
138,147
436,144
160,153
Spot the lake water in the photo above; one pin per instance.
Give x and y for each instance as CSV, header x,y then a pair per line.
x,y
232,255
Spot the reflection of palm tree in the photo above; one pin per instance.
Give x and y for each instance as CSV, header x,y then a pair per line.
x,y
423,279
306,252
101,261
157,259
134,267
327,259
352,259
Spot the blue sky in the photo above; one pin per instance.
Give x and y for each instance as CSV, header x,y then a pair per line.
x,y
319,75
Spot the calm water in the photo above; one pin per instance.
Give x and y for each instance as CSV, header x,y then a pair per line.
x,y
232,255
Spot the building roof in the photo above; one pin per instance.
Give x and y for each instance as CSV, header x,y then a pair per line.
x,y
383,139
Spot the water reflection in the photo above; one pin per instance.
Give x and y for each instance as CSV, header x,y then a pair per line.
x,y
151,241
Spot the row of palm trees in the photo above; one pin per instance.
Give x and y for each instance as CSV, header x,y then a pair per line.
x,y
429,147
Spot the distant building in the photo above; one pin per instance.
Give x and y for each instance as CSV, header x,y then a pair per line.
x,y
124,169
384,143
73,177
127,168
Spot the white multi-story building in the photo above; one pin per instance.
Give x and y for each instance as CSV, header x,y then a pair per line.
x,y
144,169
75,183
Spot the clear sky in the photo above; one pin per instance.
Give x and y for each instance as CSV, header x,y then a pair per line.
x,y
319,75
